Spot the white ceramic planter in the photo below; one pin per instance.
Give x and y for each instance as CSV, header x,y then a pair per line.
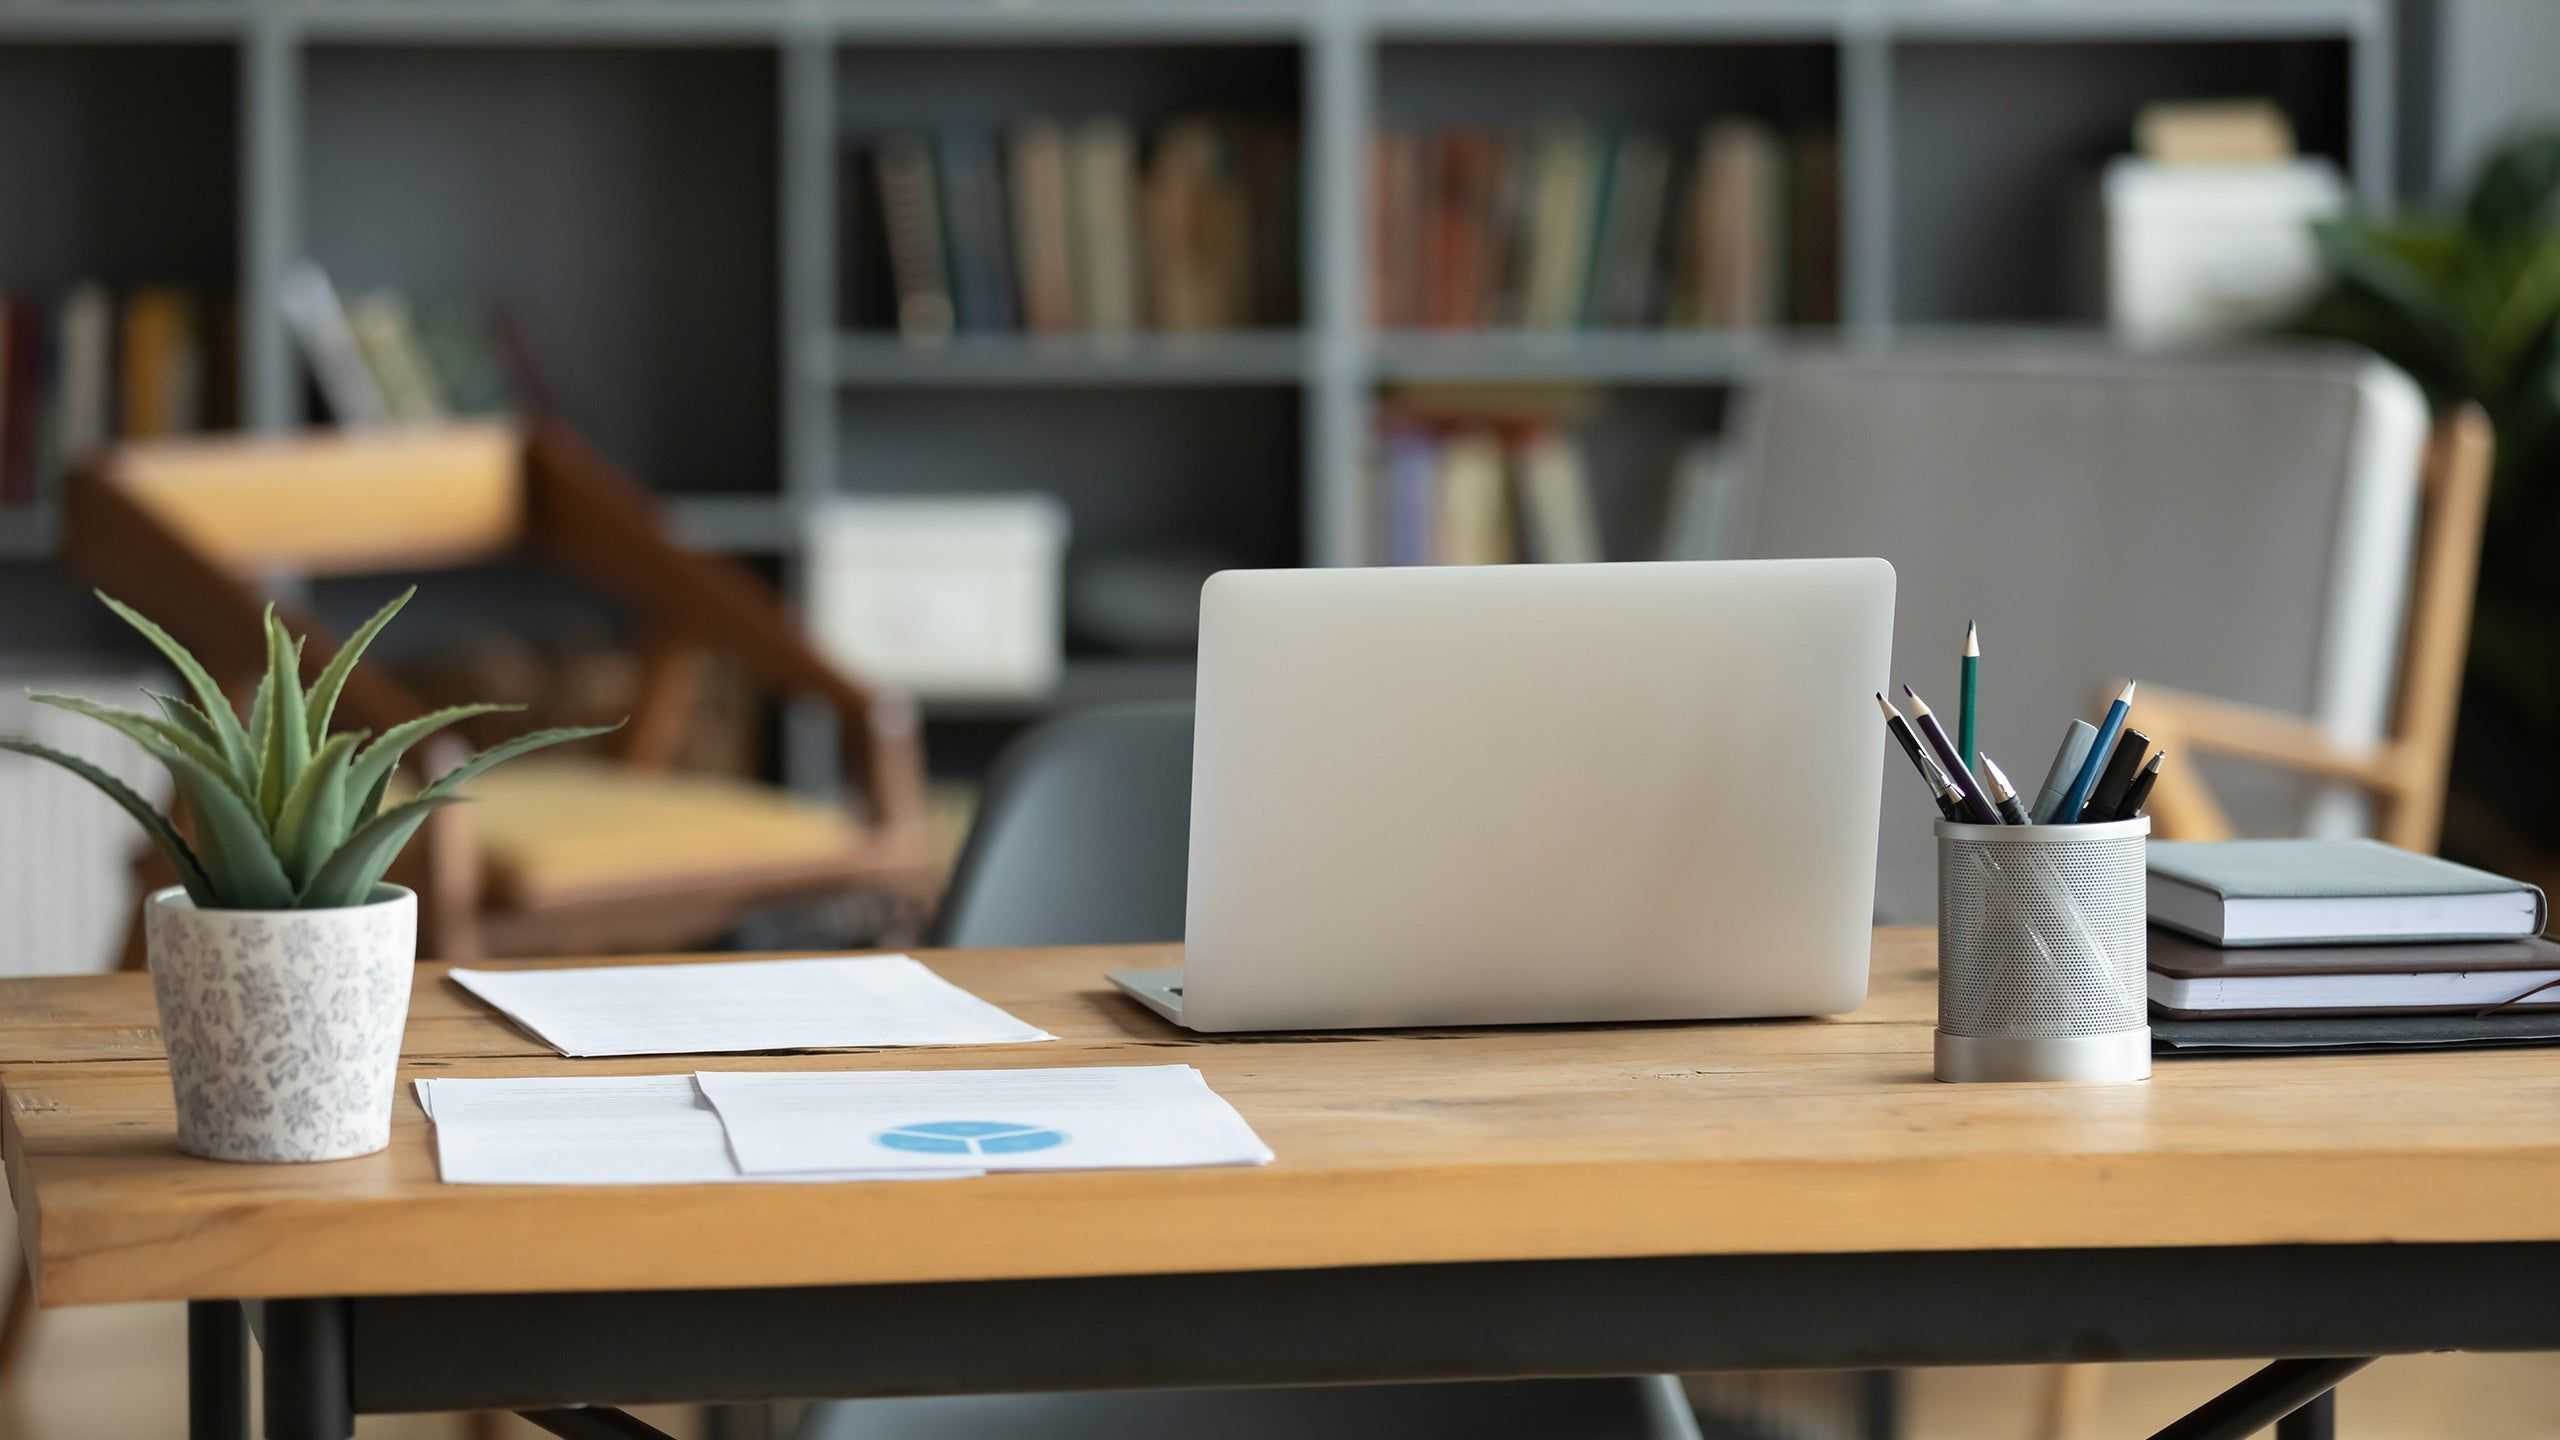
x,y
282,1026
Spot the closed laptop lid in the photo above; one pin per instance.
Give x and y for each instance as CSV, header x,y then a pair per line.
x,y
1523,794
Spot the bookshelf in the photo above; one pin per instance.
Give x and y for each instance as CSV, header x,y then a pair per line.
x,y
657,186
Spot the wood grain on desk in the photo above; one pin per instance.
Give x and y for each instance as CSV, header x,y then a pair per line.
x,y
1542,1143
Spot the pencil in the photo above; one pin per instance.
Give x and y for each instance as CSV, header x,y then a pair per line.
x,y
2004,796
1976,804
1969,700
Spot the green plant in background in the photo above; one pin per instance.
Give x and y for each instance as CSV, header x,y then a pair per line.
x,y
288,816
2467,300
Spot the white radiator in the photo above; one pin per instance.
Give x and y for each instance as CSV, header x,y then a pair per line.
x,y
66,851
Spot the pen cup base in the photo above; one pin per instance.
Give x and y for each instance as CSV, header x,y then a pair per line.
x,y
2092,1059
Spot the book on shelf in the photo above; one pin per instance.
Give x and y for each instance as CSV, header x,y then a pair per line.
x,y
85,349
1472,523
1626,255
1198,231
86,367
1484,475
1813,228
320,325
163,363
385,357
973,209
473,373
1560,525
25,369
1559,228
1738,226
1083,227
1270,157
1043,227
911,208
1102,195
1570,225
387,337
1700,519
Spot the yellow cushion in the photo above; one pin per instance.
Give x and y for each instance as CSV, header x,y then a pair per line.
x,y
559,829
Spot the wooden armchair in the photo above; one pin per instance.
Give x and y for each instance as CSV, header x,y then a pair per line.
x,y
605,851
2405,771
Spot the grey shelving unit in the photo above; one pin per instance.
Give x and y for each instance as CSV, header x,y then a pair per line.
x,y
653,186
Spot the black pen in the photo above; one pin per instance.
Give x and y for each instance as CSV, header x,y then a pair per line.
x,y
1977,809
2004,796
2116,781
1946,792
2140,794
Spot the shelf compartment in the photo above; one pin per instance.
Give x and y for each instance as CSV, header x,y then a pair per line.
x,y
124,166
1984,232
606,200
1139,469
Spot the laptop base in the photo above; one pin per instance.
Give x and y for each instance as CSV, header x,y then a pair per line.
x,y
1158,990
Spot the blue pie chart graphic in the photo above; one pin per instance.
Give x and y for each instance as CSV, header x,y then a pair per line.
x,y
971,1137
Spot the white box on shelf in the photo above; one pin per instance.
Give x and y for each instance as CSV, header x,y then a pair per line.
x,y
944,597
2202,252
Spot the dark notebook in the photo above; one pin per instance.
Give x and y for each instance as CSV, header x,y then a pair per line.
x,y
2190,978
2348,1034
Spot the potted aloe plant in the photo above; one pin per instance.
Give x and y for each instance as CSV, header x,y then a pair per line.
x,y
280,960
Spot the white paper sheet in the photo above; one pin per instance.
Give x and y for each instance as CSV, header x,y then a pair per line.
x,y
594,1130
745,1005
1082,1118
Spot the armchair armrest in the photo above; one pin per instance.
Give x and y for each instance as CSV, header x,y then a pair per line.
x,y
2252,732
2183,806
604,527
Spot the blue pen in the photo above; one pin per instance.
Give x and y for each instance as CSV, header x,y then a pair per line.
x,y
2108,729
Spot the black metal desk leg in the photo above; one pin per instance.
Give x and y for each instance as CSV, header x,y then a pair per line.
x,y
1880,1404
217,1371
308,1394
2273,1396
2315,1421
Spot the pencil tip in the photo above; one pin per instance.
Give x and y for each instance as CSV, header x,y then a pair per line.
x,y
2126,694
1972,639
1886,706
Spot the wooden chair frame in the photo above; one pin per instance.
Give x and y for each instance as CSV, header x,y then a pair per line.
x,y
2405,772
579,512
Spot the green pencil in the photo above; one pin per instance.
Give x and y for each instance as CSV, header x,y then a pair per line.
x,y
1965,702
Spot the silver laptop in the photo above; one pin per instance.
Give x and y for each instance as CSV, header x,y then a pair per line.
x,y
1520,794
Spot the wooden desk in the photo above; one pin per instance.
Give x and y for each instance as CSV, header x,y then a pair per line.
x,y
1580,1200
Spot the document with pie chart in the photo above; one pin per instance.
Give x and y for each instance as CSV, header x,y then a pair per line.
x,y
1095,1117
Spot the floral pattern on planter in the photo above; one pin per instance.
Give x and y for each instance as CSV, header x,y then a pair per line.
x,y
282,1026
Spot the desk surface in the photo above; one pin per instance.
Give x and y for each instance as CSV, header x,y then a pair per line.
x,y
1815,1136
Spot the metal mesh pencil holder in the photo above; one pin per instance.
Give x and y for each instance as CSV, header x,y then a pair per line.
x,y
2040,952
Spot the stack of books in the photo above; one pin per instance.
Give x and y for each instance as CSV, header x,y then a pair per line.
x,y
1490,474
2343,944
378,357
1575,226
1054,228
90,366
